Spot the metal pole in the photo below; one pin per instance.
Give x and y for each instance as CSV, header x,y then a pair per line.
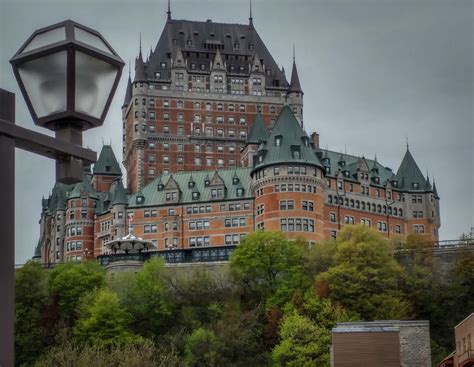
x,y
7,233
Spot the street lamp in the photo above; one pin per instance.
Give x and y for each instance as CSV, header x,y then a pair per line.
x,y
68,75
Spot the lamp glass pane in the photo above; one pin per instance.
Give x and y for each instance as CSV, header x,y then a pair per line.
x,y
94,81
45,83
46,38
90,39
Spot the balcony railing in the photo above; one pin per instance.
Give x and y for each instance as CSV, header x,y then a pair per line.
x,y
174,256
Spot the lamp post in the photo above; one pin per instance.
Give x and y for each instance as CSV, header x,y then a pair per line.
x,y
68,74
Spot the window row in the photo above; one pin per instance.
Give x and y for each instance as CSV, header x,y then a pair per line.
x,y
235,222
76,231
198,209
199,241
294,188
198,225
234,207
297,225
362,205
234,239
74,246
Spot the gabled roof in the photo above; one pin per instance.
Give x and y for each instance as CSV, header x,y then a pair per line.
x,y
206,38
410,173
291,137
107,163
295,85
258,131
155,197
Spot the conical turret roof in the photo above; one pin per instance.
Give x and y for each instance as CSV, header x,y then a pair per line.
x,y
295,85
139,68
120,197
287,143
409,173
258,132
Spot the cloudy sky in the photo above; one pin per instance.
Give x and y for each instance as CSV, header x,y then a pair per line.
x,y
373,73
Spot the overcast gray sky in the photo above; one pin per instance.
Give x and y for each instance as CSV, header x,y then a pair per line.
x,y
373,72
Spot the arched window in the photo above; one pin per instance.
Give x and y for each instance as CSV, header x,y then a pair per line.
x,y
346,202
357,204
352,203
330,199
363,205
374,208
400,212
341,201
379,208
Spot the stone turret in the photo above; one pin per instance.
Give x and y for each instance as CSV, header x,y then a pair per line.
x,y
295,93
288,182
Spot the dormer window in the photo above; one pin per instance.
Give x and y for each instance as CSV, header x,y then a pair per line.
x,y
235,180
260,158
140,199
107,168
296,152
195,195
395,183
207,183
240,192
376,180
160,187
163,65
416,185
191,184
305,141
278,140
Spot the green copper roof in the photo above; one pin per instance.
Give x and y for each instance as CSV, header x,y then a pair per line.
x,y
107,163
258,132
83,187
119,195
287,143
153,196
410,174
346,162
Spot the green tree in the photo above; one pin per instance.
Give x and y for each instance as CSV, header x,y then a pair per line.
x,y
365,277
103,321
203,349
146,298
31,300
269,266
303,343
70,282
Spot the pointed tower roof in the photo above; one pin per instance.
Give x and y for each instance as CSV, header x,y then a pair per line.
x,y
295,85
258,132
218,63
168,13
107,163
287,143
139,66
120,197
128,91
435,191
409,173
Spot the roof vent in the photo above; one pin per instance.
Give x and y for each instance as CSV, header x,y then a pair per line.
x,y
208,21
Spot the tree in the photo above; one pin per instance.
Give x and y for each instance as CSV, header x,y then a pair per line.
x,y
302,343
146,298
202,349
70,282
269,266
31,300
365,277
103,321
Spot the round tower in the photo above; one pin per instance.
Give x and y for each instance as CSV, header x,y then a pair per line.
x,y
288,182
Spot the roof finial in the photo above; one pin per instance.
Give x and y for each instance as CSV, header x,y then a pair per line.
x,y
293,52
140,43
407,144
250,17
129,69
169,10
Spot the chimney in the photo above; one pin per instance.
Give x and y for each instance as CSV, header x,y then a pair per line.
x,y
315,140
